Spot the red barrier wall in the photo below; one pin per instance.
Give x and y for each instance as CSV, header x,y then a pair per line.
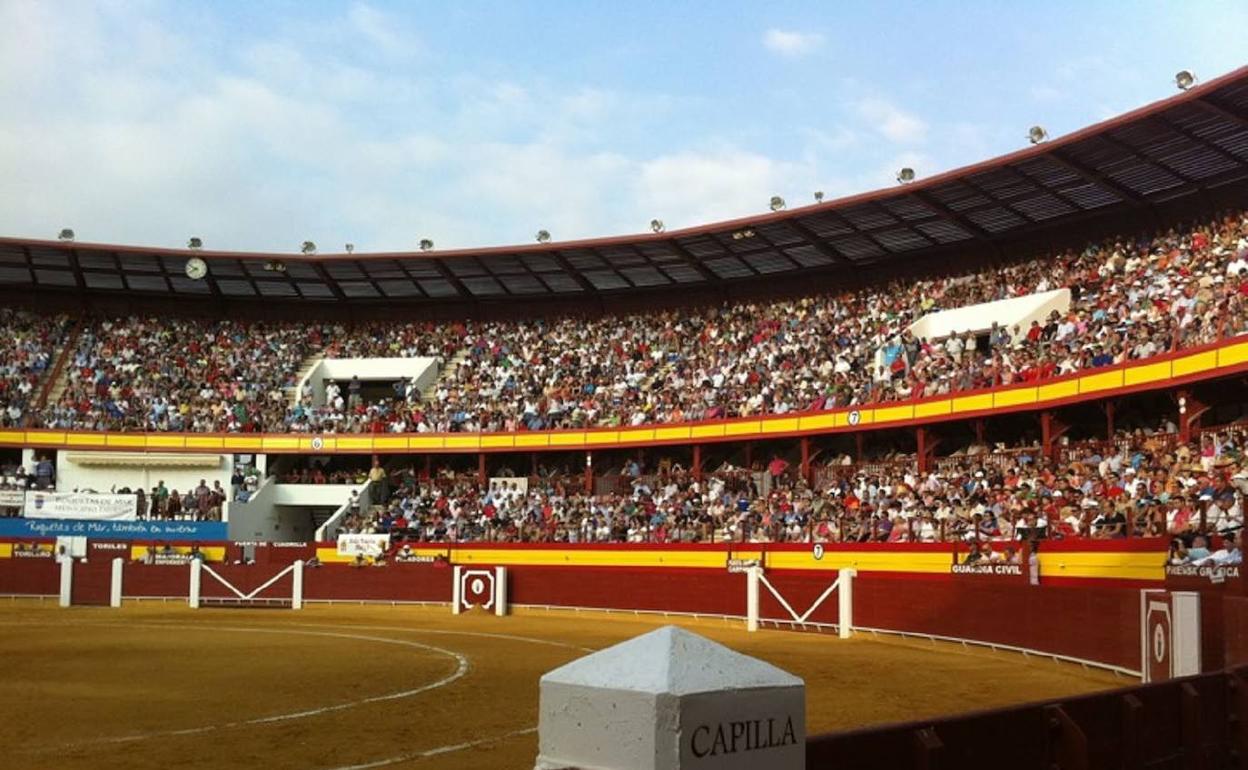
x,y
40,577
396,583
92,582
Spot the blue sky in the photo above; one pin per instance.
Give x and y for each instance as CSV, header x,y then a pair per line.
x,y
260,125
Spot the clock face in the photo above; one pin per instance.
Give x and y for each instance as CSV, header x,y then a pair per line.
x,y
196,268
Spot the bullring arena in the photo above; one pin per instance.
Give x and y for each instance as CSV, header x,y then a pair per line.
x,y
348,686
960,465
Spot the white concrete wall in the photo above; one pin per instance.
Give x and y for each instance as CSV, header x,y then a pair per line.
x,y
325,495
1016,311
105,471
423,371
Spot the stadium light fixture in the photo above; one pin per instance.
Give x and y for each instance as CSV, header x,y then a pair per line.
x,y
1184,79
1037,134
308,247
657,226
776,204
350,247
65,234
818,196
742,234
275,266
195,243
426,244
543,236
905,176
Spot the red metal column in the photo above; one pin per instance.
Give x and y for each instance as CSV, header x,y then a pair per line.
x,y
697,462
482,479
806,459
920,435
589,473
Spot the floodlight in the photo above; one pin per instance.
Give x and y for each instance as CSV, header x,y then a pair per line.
x,y
656,225
742,234
195,243
777,203
543,236
1184,80
1037,134
308,247
350,247
905,176
818,196
426,244
65,235
276,265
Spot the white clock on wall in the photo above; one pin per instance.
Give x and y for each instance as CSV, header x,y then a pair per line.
x,y
196,268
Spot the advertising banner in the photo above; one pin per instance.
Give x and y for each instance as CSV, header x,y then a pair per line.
x,y
77,505
12,498
114,530
362,545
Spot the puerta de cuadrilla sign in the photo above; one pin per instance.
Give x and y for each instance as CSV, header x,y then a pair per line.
x,y
671,699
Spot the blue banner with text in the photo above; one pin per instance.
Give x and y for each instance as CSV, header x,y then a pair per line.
x,y
114,530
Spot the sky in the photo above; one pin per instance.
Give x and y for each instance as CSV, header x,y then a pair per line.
x,y
257,126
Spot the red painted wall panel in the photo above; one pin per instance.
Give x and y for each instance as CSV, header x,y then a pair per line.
x,y
404,583
92,582
30,576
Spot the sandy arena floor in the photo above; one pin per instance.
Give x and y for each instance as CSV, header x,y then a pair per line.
x,y
159,685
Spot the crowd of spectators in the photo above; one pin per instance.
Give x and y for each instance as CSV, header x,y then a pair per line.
x,y
1144,484
1132,298
26,350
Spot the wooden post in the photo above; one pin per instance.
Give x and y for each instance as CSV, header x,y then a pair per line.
x,y
589,473
482,479
920,435
858,447
805,442
697,462
979,431
1109,420
749,456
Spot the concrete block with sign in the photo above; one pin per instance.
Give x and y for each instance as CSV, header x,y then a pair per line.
x,y
671,699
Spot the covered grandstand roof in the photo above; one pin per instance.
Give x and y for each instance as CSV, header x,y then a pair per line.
x,y
1193,142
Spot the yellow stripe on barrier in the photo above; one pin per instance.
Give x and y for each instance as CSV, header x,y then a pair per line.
x,y
1138,375
1200,362
1094,383
933,408
1014,397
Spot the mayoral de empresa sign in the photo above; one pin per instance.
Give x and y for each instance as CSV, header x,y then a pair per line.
x,y
671,699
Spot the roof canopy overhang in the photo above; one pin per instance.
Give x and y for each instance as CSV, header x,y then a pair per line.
x,y
1188,145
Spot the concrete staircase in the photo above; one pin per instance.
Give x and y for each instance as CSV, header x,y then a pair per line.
x,y
309,363
57,378
448,373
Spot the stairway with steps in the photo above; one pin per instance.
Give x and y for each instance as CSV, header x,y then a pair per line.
x,y
447,373
309,363
58,376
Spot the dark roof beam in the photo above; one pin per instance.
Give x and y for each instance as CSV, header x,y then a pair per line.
x,y
1121,145
949,215
580,279
818,244
1096,177
446,273
1203,142
1221,111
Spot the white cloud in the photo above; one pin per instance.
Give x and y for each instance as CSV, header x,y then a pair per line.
x,y
789,43
892,122
262,144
